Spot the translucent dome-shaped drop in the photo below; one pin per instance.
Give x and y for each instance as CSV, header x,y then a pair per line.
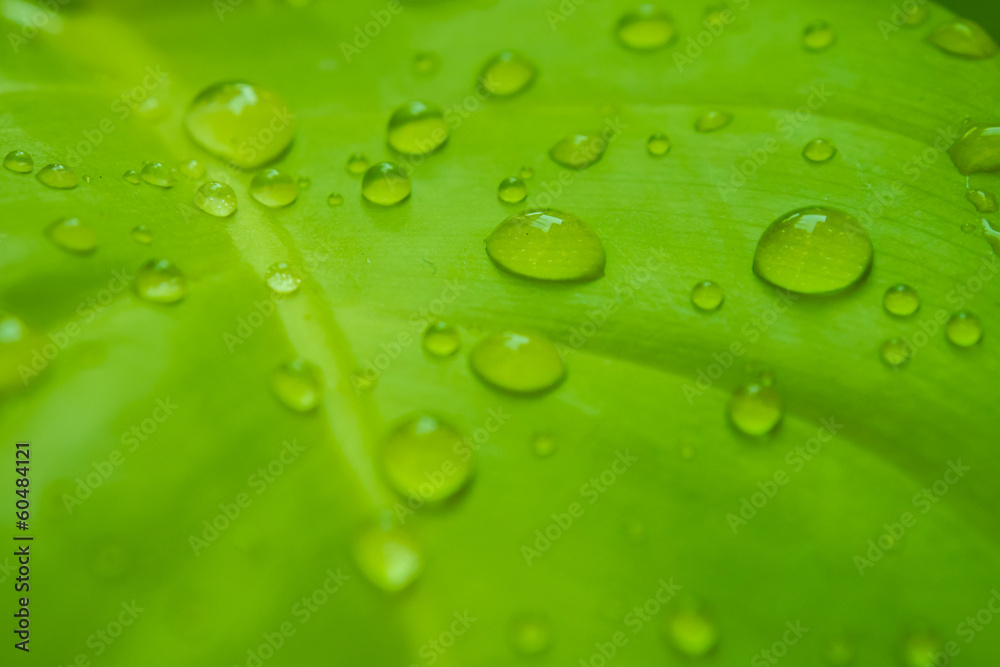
x,y
73,235
547,245
388,557
518,361
977,150
273,188
159,281
57,176
19,162
578,151
964,38
385,184
420,461
417,128
755,409
646,28
814,250
506,73
216,199
298,384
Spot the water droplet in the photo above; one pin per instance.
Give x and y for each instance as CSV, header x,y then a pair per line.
x,y
985,202
19,162
815,250
12,329
132,176
839,651
755,409
57,176
417,128
977,150
818,36
710,121
273,188
357,164
335,199
73,235
506,73
921,649
241,123
441,340
158,174
547,245
385,184
707,295
718,17
991,235
645,28
159,281
512,190
819,150
914,15
658,145
298,385
426,63
152,109
964,329
968,227
419,460
965,38
282,279
192,169
578,151
527,172
216,199
691,630
543,445
896,352
901,300
518,361
142,234
530,633
388,557
304,182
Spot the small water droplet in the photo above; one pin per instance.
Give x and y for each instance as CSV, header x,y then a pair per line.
x,y
691,629
216,199
388,557
241,123
543,445
755,409
281,278
158,174
815,250
273,188
818,36
419,459
968,227
159,281
417,128
991,235
896,352
964,329
335,199
710,121
839,651
142,234
518,361
441,340
426,63
964,38
132,176
658,145
547,245
152,109
977,150
819,150
914,14
57,176
506,73
19,162
530,633
645,28
357,163
192,170
921,649
73,235
385,184
527,172
707,295
298,385
901,300
304,182
985,202
578,151
512,190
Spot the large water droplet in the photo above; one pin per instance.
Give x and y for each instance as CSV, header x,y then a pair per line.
x,y
815,250
158,174
273,188
512,190
441,340
216,199
977,150
57,176
417,128
388,557
965,38
645,28
73,235
691,630
964,329
658,145
282,279
819,150
298,385
419,459
985,202
518,361
818,36
357,163
506,73
530,633
578,151
755,409
896,352
707,295
241,123
19,162
901,300
547,245
159,281
710,121
385,184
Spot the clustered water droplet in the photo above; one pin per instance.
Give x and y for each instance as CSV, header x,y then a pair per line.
x,y
818,36
964,329
985,202
388,557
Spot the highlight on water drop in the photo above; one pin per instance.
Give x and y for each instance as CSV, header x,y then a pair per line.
x,y
357,163
896,352
707,296
658,145
901,300
985,202
132,176
978,149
